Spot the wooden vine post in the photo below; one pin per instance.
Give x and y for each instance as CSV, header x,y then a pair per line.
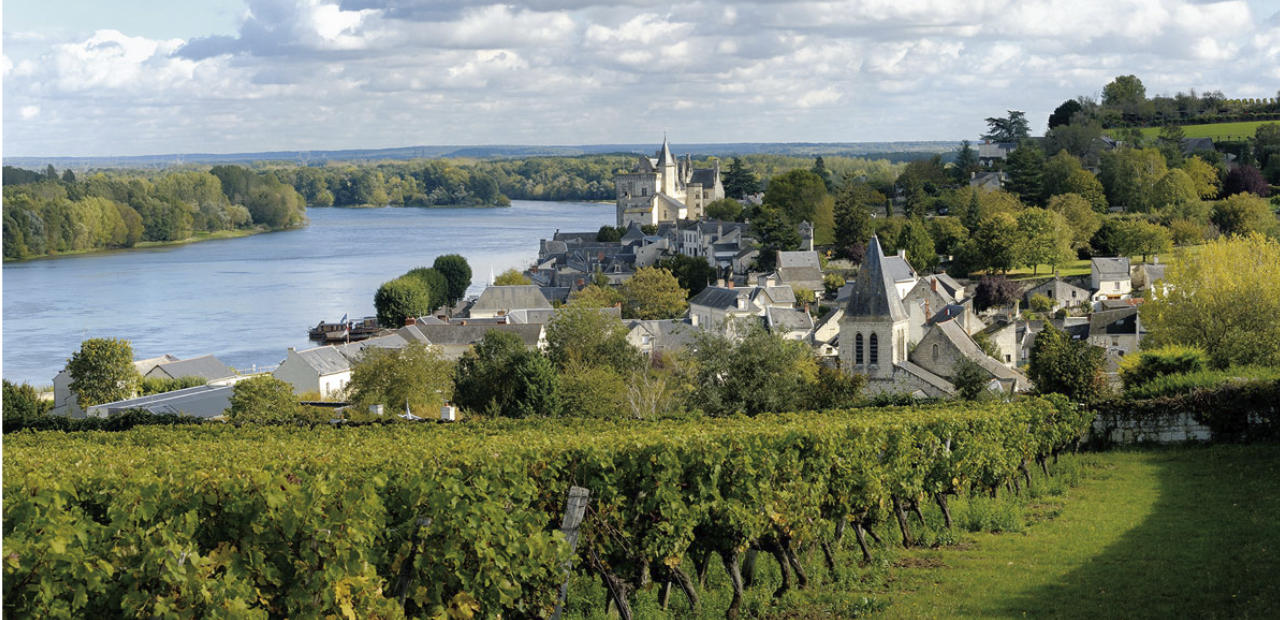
x,y
574,510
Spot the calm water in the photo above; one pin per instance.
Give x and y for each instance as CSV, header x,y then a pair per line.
x,y
247,300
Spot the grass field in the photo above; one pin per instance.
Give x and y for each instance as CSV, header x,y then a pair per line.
x,y
1151,533
1217,131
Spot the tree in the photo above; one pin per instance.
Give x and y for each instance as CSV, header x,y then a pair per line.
x,y
263,399
1204,177
653,293
1063,114
995,291
1242,214
1081,139
853,212
1245,179
416,377
1025,166
820,168
969,378
596,296
915,239
1009,129
997,241
401,298
1129,175
1147,238
1169,142
1223,299
1174,189
1046,238
22,403
761,372
456,272
435,282
502,377
798,195
583,335
693,273
966,162
775,233
511,277
948,234
726,209
102,371
1125,90
593,391
1079,215
1062,365
68,176
740,181
611,234
832,388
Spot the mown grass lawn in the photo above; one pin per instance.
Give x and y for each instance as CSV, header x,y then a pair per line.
x,y
1217,131
1142,533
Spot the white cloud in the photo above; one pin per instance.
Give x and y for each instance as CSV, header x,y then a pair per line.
x,y
368,73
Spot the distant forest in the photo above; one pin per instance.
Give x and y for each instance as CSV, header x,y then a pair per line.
x,y
47,212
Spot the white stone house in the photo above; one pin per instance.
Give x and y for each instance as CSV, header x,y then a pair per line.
x,y
321,369
1110,278
1063,294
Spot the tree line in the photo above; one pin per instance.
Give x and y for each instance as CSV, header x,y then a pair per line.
x,y
47,213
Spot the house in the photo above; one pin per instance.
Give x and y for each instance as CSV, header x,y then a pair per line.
x,y
900,272
1004,336
202,401
1109,278
652,337
726,308
1063,294
206,367
65,402
994,153
325,370
790,323
988,180
498,301
455,339
947,343
1147,276
800,269
1116,331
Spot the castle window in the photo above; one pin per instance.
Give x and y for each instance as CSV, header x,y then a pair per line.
x,y
857,348
935,352
874,355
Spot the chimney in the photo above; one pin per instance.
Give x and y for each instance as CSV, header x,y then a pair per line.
x,y
730,284
462,322
902,254
933,284
410,321
292,350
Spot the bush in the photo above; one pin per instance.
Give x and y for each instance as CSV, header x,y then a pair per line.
x,y
1175,384
263,399
1136,370
160,385
401,298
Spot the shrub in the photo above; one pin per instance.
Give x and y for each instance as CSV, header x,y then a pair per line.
x,y
1136,370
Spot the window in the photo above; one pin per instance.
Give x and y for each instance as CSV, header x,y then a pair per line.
x,y
874,356
857,348
935,352
1117,285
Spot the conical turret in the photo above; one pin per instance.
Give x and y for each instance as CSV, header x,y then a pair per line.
x,y
874,295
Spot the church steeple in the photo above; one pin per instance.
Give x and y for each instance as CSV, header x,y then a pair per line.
x,y
874,295
664,156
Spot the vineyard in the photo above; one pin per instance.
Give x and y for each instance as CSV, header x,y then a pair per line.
x,y
464,520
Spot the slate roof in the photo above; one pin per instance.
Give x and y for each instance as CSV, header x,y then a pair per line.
x,y
556,293
633,233
1114,322
970,349
668,334
799,266
1111,268
1060,289
145,366
873,292
995,150
899,269
204,401
949,283
716,297
782,294
927,377
704,176
788,319
454,334
325,360
575,237
507,298
206,367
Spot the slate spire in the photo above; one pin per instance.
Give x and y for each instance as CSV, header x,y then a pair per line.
x,y
874,294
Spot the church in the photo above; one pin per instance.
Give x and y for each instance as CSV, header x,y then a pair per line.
x,y
885,335
665,189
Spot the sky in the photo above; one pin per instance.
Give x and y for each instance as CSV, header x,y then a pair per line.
x,y
135,77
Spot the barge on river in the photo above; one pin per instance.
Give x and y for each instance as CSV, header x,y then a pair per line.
x,y
345,331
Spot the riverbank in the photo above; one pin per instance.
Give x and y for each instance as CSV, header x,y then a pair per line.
x,y
196,238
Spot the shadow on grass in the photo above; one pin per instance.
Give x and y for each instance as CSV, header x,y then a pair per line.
x,y
1210,547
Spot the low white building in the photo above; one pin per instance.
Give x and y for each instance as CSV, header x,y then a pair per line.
x,y
321,369
1110,278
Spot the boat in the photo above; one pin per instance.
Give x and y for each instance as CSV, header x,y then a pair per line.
x,y
344,330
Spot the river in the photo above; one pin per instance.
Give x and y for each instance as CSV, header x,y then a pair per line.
x,y
247,300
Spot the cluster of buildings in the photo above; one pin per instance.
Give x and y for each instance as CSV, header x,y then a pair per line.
x,y
905,332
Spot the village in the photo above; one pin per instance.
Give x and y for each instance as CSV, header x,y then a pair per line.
x,y
906,331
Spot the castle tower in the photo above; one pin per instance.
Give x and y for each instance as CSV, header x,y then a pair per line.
x,y
667,172
873,331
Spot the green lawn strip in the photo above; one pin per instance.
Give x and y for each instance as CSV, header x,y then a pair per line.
x,y
1218,131
1184,532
